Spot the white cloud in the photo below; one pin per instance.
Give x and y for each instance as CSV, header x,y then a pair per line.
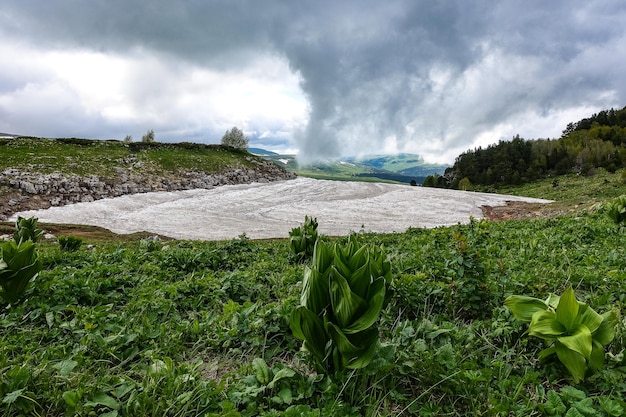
x,y
143,90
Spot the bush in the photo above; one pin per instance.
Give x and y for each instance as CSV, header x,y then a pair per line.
x,y
302,239
343,294
19,264
26,229
235,139
575,333
70,243
148,137
616,210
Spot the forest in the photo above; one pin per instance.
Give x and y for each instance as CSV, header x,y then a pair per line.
x,y
595,142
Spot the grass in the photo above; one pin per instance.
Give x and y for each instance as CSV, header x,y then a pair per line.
x,y
103,158
144,327
572,188
129,325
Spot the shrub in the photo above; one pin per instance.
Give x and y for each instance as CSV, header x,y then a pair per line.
x,y
470,285
235,139
70,243
19,264
343,294
574,331
465,185
302,239
148,137
26,229
616,210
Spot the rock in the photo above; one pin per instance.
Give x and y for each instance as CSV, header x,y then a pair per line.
x,y
62,189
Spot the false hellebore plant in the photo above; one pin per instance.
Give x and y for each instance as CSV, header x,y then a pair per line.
x,y
343,294
574,331
19,264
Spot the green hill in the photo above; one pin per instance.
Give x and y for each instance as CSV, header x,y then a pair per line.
x,y
402,168
38,173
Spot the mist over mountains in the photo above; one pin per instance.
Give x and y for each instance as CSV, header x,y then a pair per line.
x,y
403,167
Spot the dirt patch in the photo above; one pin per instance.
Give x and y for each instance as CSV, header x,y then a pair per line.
x,y
518,210
88,233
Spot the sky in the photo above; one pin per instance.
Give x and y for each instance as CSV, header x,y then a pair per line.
x,y
320,78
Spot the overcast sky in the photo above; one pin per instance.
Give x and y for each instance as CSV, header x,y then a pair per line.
x,y
324,78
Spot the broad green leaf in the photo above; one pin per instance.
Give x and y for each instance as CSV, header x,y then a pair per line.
x,y
605,333
315,289
596,359
359,258
611,407
340,264
360,280
322,257
356,350
545,326
374,306
524,307
71,398
346,305
585,407
11,397
579,341
571,393
261,371
567,310
553,300
573,361
588,317
306,326
65,367
103,399
281,374
544,354
554,405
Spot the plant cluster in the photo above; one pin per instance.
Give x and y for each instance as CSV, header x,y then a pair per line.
x,y
70,243
27,229
616,210
302,239
574,331
342,297
19,260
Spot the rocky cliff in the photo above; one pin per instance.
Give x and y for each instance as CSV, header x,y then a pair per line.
x,y
22,190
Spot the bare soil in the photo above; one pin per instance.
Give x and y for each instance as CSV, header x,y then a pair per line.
x,y
518,210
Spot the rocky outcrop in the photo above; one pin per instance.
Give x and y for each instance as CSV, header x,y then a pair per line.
x,y
28,191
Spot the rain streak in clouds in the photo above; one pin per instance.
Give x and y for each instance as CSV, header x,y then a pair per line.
x,y
323,78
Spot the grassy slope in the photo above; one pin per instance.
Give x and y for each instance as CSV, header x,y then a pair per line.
x,y
135,329
87,157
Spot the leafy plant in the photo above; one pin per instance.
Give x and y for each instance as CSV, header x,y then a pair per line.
x,y
235,138
342,296
70,243
26,229
470,285
574,331
302,239
19,264
616,210
574,402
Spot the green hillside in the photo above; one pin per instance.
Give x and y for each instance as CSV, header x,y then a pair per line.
x,y
147,328
402,168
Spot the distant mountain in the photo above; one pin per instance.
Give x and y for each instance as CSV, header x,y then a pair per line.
x,y
404,168
260,152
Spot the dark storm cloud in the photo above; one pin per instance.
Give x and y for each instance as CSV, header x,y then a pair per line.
x,y
434,77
